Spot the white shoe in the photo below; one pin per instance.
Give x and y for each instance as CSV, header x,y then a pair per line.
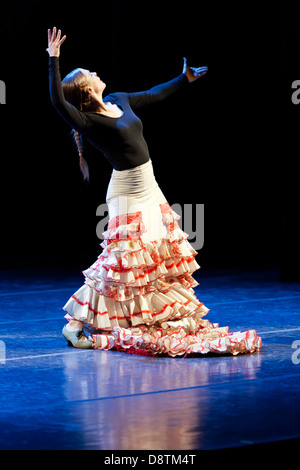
x,y
77,338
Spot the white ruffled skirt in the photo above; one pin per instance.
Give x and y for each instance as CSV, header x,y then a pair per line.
x,y
138,296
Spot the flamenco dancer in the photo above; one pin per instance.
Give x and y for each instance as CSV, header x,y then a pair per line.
x,y
138,296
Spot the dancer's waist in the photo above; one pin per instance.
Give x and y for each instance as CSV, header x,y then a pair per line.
x,y
136,181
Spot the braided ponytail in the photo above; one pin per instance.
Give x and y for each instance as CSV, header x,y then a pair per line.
x,y
82,162
74,89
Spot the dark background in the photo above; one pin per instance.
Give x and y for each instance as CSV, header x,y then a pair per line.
x,y
230,140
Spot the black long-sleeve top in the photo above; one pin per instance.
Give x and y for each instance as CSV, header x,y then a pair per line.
x,y
120,139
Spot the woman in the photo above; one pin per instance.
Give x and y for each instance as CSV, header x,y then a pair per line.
x,y
138,296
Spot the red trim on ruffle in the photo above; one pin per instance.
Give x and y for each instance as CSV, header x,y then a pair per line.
x,y
187,259
165,208
135,314
125,219
133,350
89,306
175,247
168,218
109,241
180,281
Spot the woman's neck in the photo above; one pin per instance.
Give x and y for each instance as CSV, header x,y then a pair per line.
x,y
109,109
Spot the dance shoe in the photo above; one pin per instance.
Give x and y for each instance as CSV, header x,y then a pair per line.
x,y
77,338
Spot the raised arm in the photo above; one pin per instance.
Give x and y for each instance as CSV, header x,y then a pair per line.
x,y
160,92
71,115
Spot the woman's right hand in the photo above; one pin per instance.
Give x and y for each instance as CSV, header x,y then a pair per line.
x,y
54,42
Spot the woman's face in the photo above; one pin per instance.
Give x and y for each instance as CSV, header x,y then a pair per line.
x,y
94,82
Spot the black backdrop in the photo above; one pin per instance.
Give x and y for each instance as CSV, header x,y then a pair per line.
x,y
229,141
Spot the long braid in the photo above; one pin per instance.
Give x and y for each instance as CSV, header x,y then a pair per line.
x,y
82,162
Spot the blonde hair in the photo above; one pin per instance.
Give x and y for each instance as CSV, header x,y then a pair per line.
x,y
74,86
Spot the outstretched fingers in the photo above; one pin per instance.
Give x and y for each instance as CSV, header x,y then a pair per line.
x,y
201,71
62,40
55,37
49,36
54,42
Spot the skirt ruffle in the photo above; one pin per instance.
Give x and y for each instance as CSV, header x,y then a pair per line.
x,y
179,338
138,296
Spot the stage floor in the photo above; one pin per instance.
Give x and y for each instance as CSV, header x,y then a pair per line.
x,y
57,397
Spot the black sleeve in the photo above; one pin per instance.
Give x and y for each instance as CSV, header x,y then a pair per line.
x,y
76,119
157,93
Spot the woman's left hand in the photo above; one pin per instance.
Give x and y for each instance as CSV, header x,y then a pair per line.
x,y
54,42
193,73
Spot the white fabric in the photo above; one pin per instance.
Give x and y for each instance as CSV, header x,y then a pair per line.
x,y
136,190
138,295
